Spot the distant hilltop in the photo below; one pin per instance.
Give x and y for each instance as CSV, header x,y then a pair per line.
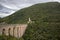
x,y
41,11
44,19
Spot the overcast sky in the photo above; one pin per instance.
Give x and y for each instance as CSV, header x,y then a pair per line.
x,y
18,4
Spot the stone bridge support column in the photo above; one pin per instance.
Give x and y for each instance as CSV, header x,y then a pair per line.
x,y
13,31
9,30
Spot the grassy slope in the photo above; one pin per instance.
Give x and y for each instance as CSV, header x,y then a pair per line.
x,y
46,17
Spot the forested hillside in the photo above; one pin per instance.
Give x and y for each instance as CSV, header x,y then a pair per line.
x,y
39,12
46,17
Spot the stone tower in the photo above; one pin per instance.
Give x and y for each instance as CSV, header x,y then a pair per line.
x,y
29,20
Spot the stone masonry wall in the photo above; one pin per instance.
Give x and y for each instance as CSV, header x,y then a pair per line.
x,y
16,30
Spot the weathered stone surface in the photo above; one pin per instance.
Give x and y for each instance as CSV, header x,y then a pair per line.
x,y
16,30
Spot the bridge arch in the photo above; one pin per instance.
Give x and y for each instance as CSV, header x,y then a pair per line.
x,y
3,31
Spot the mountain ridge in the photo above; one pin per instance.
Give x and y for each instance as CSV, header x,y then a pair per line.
x,y
37,10
45,18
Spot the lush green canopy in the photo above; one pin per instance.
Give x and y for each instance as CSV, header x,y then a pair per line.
x,y
46,18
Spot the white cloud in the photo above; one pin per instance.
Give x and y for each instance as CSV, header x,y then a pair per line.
x,y
13,4
18,4
4,15
57,0
10,6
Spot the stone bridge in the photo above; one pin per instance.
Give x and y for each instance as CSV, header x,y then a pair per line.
x,y
16,30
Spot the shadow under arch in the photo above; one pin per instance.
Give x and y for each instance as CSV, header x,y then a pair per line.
x,y
3,31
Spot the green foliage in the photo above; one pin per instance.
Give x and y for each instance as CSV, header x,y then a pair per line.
x,y
38,12
46,17
42,31
4,37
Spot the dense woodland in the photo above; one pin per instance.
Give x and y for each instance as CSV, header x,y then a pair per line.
x,y
45,21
